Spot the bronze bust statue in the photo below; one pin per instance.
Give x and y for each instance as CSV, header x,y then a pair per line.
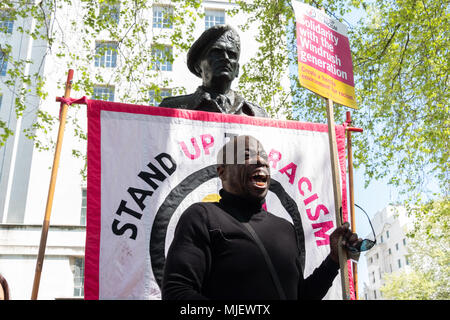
x,y
214,57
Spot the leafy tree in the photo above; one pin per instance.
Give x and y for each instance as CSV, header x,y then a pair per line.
x,y
402,74
265,77
429,257
408,286
71,44
400,55
271,76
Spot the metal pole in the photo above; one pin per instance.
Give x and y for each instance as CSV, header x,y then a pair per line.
x,y
51,191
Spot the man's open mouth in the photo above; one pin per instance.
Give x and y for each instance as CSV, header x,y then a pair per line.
x,y
259,179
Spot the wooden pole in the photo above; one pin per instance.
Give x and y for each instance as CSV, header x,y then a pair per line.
x,y
352,198
337,197
51,191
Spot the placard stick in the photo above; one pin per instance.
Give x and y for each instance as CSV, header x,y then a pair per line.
x,y
51,190
337,197
352,198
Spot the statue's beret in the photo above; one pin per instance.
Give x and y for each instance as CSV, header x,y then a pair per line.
x,y
204,42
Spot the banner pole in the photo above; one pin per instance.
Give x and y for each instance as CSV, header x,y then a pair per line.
x,y
51,191
337,197
352,198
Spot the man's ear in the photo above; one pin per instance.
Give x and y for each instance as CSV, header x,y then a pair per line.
x,y
220,171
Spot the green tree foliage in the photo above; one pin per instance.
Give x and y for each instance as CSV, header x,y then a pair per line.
x,y
408,286
271,75
70,44
265,77
400,56
429,257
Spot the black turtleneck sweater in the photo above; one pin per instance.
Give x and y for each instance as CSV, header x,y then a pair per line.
x,y
213,256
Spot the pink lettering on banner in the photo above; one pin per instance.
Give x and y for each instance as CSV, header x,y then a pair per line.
x,y
324,50
187,153
310,199
304,184
320,208
313,211
321,233
308,185
290,171
207,142
274,157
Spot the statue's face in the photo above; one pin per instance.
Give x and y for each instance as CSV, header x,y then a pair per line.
x,y
249,174
220,62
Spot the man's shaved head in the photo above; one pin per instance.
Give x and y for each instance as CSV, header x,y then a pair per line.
x,y
233,152
243,167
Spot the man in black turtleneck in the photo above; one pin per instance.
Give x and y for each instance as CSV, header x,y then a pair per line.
x,y
214,256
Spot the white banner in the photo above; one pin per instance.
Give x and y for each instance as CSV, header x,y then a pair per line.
x,y
146,165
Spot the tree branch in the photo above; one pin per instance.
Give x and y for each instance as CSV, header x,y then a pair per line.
x,y
401,61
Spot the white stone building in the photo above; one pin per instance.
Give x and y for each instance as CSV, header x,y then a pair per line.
x,y
390,252
25,172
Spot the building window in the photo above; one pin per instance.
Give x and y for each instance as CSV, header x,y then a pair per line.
x,y
6,22
399,263
1,98
156,97
105,93
106,55
163,59
387,234
110,11
370,260
390,251
404,241
381,239
374,294
83,206
373,276
3,63
214,17
396,246
78,277
162,17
